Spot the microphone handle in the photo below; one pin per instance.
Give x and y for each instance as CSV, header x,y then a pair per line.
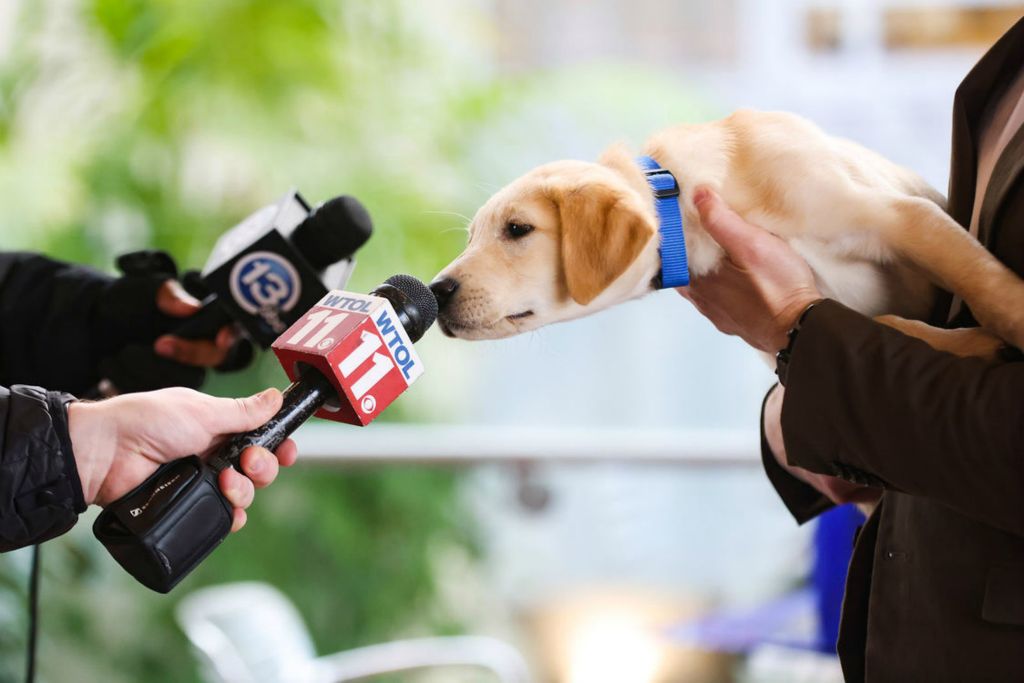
x,y
300,400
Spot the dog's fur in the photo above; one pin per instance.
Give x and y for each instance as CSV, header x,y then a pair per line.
x,y
875,234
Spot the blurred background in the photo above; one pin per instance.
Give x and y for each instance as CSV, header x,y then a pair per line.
x,y
600,510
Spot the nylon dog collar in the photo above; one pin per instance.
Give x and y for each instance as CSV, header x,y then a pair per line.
x,y
674,270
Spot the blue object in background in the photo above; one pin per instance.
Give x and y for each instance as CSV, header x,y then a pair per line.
x,y
783,621
833,546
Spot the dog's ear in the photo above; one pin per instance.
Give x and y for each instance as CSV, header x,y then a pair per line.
x,y
602,234
618,158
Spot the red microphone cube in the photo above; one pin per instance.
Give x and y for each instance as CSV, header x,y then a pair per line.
x,y
357,342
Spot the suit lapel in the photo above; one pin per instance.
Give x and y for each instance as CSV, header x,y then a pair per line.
x,y
977,89
1004,175
964,162
962,174
987,80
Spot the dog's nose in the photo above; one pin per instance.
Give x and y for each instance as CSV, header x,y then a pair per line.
x,y
443,290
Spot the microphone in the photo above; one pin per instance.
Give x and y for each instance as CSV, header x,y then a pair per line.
x,y
334,231
349,357
362,345
271,266
355,373
261,274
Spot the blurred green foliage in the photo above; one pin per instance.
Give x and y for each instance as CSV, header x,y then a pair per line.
x,y
161,123
125,124
352,549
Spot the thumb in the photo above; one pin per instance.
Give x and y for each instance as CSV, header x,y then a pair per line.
x,y
725,226
173,300
243,414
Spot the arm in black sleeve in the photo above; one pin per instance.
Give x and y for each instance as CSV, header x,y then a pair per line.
x,y
802,500
59,320
869,404
47,310
40,492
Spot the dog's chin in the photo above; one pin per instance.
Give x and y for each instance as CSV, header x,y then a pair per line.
x,y
477,332
508,326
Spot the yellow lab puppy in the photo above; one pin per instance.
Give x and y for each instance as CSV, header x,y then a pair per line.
x,y
570,238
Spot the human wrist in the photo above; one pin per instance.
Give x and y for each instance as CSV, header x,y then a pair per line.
x,y
785,353
58,403
93,441
772,430
790,316
772,424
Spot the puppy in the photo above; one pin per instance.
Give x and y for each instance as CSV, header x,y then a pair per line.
x,y
571,238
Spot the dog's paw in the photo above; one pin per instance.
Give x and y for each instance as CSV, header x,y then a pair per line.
x,y
974,342
1009,333
1015,334
1005,316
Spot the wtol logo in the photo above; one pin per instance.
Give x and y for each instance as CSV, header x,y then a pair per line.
x,y
265,284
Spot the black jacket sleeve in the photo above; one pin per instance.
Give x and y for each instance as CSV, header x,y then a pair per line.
x,y
802,500
60,322
40,493
47,315
871,405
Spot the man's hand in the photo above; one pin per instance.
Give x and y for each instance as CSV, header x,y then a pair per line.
x,y
120,442
758,293
761,287
173,300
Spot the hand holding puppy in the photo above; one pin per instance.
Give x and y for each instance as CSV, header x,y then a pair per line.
x,y
757,293
761,286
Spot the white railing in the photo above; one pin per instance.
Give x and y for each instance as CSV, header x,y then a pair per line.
x,y
328,444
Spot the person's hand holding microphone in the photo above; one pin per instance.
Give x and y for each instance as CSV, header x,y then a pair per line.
x,y
172,300
132,331
121,441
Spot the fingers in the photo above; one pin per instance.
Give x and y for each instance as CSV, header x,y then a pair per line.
x,y
238,520
226,338
709,308
734,234
260,466
173,300
287,453
236,487
722,321
234,415
198,352
190,352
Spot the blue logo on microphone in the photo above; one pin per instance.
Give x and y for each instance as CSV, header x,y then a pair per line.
x,y
265,283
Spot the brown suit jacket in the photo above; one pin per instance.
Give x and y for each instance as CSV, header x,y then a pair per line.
x,y
935,590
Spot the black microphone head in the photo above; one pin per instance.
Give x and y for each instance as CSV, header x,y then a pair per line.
x,y
413,301
334,231
419,293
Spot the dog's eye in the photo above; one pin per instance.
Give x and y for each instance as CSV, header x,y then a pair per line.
x,y
517,230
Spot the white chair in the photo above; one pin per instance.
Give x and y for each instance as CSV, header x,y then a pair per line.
x,y
252,633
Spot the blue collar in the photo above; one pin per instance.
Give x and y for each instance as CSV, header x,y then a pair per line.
x,y
674,271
